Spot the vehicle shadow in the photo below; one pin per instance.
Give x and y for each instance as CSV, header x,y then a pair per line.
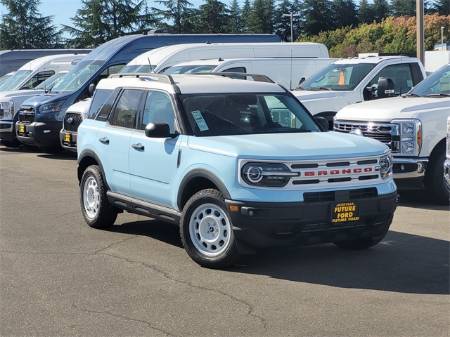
x,y
403,262
62,155
420,199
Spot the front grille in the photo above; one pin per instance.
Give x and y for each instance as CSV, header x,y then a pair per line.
x,y
356,194
384,132
72,121
26,114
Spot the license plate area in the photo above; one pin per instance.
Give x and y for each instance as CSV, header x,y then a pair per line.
x,y
21,130
67,138
344,212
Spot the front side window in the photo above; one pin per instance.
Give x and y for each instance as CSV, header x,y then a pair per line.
x,y
401,76
127,108
38,79
51,81
339,77
437,85
158,109
249,113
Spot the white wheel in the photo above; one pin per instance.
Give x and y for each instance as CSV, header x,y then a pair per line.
x,y
91,197
210,229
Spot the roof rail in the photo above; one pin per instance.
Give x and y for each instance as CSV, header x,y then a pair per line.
x,y
146,77
239,76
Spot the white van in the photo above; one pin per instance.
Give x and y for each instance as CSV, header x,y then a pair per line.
x,y
289,72
35,72
158,60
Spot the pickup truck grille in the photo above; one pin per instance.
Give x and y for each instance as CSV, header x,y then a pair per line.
x,y
332,173
26,114
72,121
384,132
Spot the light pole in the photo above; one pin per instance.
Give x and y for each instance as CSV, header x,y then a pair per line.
x,y
442,38
291,16
420,31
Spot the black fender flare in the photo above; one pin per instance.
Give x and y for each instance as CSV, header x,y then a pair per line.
x,y
201,173
93,155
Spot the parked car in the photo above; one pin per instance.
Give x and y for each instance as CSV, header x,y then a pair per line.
x,y
157,61
11,60
73,117
447,161
234,162
288,72
413,126
355,80
11,101
42,116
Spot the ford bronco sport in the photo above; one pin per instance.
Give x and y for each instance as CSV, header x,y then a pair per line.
x,y
235,160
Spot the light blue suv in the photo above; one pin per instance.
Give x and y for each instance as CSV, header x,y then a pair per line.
x,y
235,160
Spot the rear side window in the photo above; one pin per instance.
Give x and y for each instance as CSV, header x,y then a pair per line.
x,y
127,108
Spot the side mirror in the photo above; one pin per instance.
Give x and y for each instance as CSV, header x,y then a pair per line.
x,y
91,89
323,123
157,130
385,87
301,81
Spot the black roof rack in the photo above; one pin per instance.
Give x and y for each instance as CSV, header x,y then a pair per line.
x,y
146,77
239,76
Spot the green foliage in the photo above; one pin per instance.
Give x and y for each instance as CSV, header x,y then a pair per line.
x,y
393,35
403,7
365,12
261,16
442,7
344,13
178,15
25,27
213,17
235,24
317,16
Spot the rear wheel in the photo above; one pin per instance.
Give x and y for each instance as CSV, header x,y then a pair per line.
x,y
96,209
206,230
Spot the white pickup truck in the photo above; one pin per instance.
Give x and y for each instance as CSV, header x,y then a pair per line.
x,y
414,126
360,79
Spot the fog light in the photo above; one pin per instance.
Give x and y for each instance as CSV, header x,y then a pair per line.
x,y
234,208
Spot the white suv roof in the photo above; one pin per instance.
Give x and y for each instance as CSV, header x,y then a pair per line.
x,y
190,84
375,59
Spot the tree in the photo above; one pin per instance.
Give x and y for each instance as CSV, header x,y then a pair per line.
x,y
381,10
235,20
344,13
442,7
25,27
365,12
261,17
179,13
317,16
282,24
403,7
213,17
245,14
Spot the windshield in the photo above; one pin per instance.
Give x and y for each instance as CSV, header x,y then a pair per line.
x,y
78,76
50,82
137,68
249,113
4,78
14,82
438,84
339,77
189,69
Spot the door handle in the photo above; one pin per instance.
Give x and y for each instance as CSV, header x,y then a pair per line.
x,y
138,147
104,140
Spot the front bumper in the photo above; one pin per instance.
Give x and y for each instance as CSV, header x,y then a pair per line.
x,y
41,134
263,224
68,140
409,173
7,130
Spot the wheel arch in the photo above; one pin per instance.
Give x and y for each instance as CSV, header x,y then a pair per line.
x,y
86,159
197,180
440,145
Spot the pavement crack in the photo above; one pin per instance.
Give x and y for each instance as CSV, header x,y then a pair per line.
x,y
165,274
118,242
109,313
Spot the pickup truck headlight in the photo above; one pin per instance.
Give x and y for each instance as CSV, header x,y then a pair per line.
x,y
53,107
410,136
6,110
266,174
385,163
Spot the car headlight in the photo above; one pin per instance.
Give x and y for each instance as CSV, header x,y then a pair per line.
x,y
385,163
53,107
410,136
266,174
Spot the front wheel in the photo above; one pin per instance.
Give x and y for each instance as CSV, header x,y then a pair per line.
x,y
96,209
435,180
206,230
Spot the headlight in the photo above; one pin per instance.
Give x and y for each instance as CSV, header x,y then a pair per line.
x,y
53,107
385,163
266,174
7,109
410,136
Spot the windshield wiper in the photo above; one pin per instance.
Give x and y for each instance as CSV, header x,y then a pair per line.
x,y
412,95
438,95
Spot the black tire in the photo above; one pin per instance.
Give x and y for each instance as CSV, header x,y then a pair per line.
x,y
225,258
435,181
11,143
106,214
365,243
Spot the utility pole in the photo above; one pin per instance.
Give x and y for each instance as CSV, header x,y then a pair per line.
x,y
420,31
291,16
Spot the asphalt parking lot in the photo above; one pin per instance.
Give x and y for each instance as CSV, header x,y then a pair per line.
x,y
61,278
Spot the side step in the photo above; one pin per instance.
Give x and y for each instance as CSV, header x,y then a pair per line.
x,y
141,207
